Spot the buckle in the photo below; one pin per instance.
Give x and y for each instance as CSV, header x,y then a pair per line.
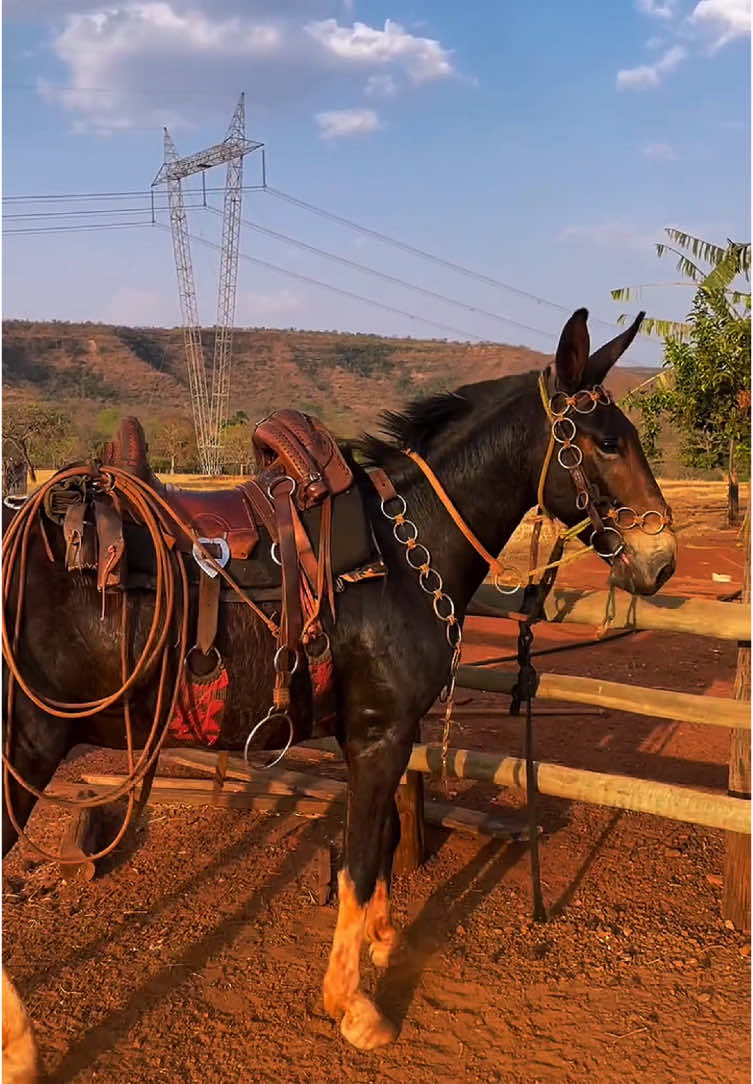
x,y
207,568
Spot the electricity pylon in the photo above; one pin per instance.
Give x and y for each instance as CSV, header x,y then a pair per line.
x,y
209,399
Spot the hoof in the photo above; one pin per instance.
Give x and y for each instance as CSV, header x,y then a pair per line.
x,y
19,1048
364,1026
332,1005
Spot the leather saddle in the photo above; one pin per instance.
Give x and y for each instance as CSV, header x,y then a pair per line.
x,y
242,516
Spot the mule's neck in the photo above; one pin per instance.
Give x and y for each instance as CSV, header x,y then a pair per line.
x,y
489,464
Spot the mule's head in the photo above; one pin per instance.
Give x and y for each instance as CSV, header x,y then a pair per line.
x,y
639,542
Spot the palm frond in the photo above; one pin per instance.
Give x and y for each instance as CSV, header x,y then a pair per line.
x,y
685,266
701,250
661,329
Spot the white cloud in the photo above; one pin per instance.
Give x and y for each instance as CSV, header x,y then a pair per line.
x,y
171,61
726,19
649,75
423,59
663,152
657,9
341,123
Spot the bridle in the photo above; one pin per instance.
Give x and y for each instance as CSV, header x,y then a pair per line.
x,y
560,408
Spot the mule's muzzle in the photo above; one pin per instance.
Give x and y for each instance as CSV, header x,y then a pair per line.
x,y
646,563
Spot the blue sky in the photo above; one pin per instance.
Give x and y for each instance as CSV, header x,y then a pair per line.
x,y
545,145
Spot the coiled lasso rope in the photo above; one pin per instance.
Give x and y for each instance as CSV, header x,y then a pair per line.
x,y
171,607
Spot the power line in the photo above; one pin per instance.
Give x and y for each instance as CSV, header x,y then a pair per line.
x,y
415,251
145,192
345,261
91,212
81,226
339,290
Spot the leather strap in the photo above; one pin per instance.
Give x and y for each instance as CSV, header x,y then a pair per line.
x,y
457,519
305,550
260,503
111,543
292,623
209,612
382,484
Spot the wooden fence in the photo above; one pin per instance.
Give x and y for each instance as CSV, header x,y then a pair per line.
x,y
312,795
615,609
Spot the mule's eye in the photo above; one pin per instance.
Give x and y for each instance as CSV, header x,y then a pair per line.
x,y
610,445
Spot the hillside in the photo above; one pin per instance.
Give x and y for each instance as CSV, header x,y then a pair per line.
x,y
345,379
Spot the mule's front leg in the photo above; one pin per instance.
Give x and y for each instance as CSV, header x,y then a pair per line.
x,y
373,777
381,935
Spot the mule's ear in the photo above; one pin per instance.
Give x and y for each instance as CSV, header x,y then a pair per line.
x,y
602,360
572,352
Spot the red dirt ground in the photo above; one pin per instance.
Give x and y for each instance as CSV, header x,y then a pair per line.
x,y
197,954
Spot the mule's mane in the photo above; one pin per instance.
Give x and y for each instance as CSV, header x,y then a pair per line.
x,y
422,420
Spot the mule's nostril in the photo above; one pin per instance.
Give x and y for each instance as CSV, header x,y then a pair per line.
x,y
664,573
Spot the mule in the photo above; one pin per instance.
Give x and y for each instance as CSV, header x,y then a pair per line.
x,y
487,443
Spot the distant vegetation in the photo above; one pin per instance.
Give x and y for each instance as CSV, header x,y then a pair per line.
x,y
86,376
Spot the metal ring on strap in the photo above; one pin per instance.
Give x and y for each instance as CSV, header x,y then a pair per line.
x,y
611,553
410,527
402,511
411,554
566,437
577,456
276,482
211,673
312,648
278,655
424,576
273,713
451,611
559,412
656,517
507,589
590,398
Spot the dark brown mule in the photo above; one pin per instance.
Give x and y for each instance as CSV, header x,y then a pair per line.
x,y
487,443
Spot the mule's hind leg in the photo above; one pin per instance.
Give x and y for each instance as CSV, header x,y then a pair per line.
x,y
374,773
19,1049
39,745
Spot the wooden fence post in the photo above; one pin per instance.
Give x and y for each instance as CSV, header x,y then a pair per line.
x,y
736,896
410,805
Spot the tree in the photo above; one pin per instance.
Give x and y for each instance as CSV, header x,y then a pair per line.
x,y
172,442
38,435
238,449
716,281
703,389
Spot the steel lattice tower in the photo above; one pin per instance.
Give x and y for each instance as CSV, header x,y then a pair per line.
x,y
209,410
223,332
